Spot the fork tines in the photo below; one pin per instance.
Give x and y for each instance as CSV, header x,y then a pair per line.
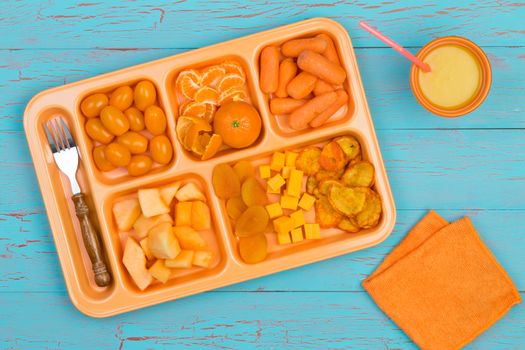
x,y
58,134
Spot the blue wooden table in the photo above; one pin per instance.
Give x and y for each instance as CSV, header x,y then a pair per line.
x,y
473,166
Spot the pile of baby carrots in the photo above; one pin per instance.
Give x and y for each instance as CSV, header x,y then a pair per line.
x,y
304,79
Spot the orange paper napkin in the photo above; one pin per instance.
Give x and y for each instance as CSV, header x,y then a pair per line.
x,y
442,285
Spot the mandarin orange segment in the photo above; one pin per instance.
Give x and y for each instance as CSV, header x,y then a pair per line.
x,y
235,207
244,169
253,249
233,67
253,193
193,108
206,94
198,127
230,81
252,221
233,95
212,146
225,182
212,75
188,83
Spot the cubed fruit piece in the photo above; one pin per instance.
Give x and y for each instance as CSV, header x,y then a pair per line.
x,y
297,218
159,271
144,224
126,212
276,182
145,248
274,210
283,238
168,192
286,170
307,201
283,224
294,183
189,239
277,161
312,231
183,213
290,158
288,202
202,258
162,242
297,234
151,203
181,261
200,216
190,192
265,171
135,262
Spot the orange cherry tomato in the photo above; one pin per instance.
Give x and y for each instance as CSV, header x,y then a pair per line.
x,y
139,165
135,142
117,154
238,123
99,156
122,98
161,150
145,94
155,120
136,119
97,131
93,104
114,120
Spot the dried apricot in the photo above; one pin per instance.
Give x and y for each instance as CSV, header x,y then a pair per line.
x,y
253,193
346,200
252,221
349,224
350,146
360,174
323,174
332,157
325,214
253,249
308,160
369,216
235,207
244,169
225,182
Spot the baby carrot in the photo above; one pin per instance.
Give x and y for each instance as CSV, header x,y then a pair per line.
x,y
322,87
321,67
331,51
322,117
287,71
294,47
285,105
301,85
303,115
269,69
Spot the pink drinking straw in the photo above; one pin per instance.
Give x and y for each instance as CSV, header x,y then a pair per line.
x,y
425,67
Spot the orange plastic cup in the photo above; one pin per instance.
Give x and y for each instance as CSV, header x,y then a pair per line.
x,y
485,77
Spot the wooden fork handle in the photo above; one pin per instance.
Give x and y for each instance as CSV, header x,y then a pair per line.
x,y
91,241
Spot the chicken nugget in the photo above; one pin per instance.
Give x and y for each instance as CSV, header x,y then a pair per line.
x,y
325,214
332,157
308,160
360,174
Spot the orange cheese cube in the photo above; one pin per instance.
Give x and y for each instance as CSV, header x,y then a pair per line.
x,y
273,191
274,210
283,224
297,234
297,218
286,171
284,238
295,182
277,161
288,202
290,158
276,182
265,171
307,201
312,231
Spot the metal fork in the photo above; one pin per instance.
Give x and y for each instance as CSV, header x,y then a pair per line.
x,y
66,157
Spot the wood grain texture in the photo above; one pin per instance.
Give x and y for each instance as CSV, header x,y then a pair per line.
x,y
466,166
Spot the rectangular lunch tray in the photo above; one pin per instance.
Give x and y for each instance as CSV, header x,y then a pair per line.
x,y
123,295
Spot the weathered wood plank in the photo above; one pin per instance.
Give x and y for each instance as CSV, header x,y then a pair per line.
x,y
189,24
25,73
258,320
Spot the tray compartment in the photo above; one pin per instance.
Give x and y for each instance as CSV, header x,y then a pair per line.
x,y
178,276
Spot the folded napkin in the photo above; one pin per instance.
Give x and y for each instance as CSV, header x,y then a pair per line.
x,y
442,285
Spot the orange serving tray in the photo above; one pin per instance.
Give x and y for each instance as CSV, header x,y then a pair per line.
x,y
102,191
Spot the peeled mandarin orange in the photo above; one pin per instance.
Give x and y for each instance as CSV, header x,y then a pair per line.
x,y
253,249
197,127
238,123
212,75
233,67
188,82
184,122
205,111
225,182
212,146
233,95
206,94
230,81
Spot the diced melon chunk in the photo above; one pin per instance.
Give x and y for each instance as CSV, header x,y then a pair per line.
x,y
200,216
159,271
190,192
312,231
307,201
276,182
265,171
162,242
151,203
274,210
181,261
291,157
126,213
297,234
144,224
202,258
168,192
283,224
297,218
145,248
189,238
283,238
135,262
288,202
293,188
277,161
183,213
